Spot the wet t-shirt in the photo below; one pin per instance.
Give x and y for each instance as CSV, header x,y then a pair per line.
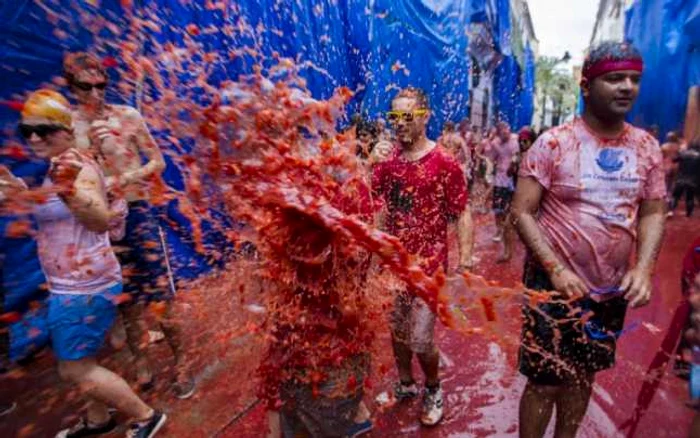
x,y
502,155
422,196
689,167
593,190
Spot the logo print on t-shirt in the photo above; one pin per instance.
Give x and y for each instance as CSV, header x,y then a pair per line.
x,y
401,201
609,159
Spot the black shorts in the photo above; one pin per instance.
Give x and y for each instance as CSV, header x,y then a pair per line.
x,y
557,346
502,197
142,256
329,410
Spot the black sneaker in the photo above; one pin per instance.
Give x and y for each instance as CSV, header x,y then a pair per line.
x,y
83,429
7,409
148,428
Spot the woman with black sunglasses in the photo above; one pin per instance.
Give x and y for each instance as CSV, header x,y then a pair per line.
x,y
83,274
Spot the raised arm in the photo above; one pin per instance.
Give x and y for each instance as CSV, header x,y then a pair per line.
x,y
149,148
82,190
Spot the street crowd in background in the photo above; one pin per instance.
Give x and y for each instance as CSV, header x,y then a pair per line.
x,y
102,159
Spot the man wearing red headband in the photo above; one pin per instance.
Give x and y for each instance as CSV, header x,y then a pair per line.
x,y
589,194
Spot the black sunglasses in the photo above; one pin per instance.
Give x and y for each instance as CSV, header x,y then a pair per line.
x,y
88,87
41,130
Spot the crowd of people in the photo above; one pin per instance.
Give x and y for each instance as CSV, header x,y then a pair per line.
x,y
583,197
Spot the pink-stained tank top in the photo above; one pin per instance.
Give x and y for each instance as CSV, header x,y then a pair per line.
x,y
74,259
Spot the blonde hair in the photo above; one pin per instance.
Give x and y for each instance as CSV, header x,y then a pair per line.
x,y
48,104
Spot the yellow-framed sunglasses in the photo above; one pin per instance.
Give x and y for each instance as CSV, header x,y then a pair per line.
x,y
406,116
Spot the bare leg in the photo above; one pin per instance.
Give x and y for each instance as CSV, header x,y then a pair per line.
x,y
572,403
695,427
403,356
117,336
273,424
173,334
132,315
105,386
363,413
508,240
536,407
97,413
430,364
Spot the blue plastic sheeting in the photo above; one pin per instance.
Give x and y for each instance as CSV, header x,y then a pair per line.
x,y
423,44
506,85
666,32
526,107
515,91
371,46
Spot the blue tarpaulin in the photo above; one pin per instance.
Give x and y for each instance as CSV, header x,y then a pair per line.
x,y
374,47
666,32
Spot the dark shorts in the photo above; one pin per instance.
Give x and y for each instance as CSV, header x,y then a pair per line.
x,y
557,346
142,256
502,197
330,410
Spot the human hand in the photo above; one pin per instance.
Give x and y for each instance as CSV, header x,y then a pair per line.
x,y
64,170
9,183
100,132
636,286
8,180
568,283
382,151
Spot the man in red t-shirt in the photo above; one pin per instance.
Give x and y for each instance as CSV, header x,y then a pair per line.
x,y
424,189
589,194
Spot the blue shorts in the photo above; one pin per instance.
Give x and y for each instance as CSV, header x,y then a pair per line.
x,y
78,324
142,256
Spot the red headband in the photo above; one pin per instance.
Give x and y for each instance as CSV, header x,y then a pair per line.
x,y
606,66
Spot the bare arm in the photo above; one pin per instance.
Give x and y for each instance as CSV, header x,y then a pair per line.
x,y
149,148
528,196
650,230
465,232
88,202
9,184
526,202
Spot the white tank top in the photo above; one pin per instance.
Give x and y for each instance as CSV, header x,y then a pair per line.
x,y
74,259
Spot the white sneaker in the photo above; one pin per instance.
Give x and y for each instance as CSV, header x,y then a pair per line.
x,y
404,392
432,407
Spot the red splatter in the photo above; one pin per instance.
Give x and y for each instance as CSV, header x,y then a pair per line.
x,y
489,311
13,105
109,62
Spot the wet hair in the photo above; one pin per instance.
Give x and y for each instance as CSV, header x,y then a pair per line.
x,y
610,51
366,127
527,133
370,128
74,63
415,93
504,124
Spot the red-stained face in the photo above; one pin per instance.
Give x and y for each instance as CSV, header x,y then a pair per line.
x,y
409,119
89,87
613,94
